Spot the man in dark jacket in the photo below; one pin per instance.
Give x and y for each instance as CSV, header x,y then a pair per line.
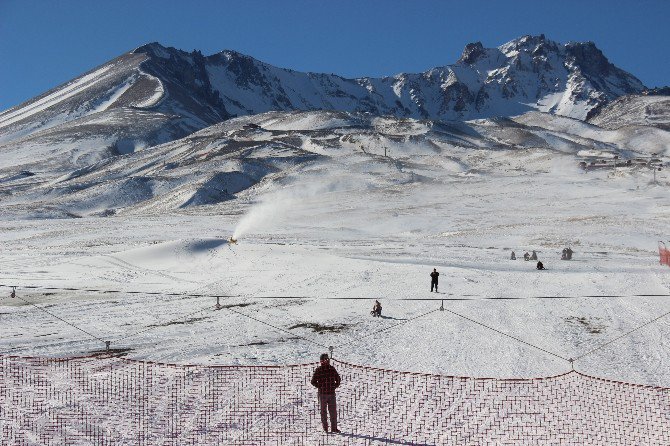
x,y
433,280
326,379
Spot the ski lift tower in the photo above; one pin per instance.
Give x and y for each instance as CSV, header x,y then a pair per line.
x,y
655,164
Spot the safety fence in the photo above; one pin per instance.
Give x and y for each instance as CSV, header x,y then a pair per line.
x,y
664,254
107,400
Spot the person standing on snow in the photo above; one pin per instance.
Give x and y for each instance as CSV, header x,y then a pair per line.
x,y
326,379
433,280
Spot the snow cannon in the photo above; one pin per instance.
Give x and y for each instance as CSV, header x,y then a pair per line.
x,y
232,241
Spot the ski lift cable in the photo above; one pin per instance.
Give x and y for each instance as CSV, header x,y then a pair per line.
x,y
59,318
508,335
465,297
622,336
388,328
275,327
151,327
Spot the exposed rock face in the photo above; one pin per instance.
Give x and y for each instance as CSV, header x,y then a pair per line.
x,y
658,91
471,53
184,76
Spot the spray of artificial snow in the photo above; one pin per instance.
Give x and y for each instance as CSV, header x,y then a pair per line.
x,y
263,214
274,208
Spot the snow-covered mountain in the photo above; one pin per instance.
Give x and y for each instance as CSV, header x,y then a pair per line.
x,y
239,157
156,94
524,74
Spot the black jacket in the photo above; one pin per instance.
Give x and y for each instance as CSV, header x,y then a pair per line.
x,y
326,379
434,275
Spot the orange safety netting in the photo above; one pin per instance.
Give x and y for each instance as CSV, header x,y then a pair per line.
x,y
114,401
664,254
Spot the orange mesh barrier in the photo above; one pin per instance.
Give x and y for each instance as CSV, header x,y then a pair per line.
x,y
664,254
113,401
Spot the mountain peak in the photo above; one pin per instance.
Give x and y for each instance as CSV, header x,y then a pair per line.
x,y
154,49
471,53
589,57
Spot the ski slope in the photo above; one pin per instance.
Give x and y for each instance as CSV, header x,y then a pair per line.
x,y
318,242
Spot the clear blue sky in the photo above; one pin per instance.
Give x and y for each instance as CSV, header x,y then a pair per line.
x,y
46,43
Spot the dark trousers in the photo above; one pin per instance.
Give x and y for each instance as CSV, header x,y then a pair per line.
x,y
433,284
328,402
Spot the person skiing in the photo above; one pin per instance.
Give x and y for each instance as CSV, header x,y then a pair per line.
x,y
540,265
533,256
568,253
513,256
326,380
376,309
433,280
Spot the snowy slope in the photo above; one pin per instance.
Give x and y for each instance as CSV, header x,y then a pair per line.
x,y
324,218
114,109
219,162
648,110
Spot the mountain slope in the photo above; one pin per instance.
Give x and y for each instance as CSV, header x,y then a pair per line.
x,y
650,110
155,94
524,74
240,156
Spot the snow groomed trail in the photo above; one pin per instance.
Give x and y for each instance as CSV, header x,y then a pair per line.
x,y
107,400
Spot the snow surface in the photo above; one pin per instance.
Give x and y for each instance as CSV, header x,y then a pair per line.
x,y
322,238
14,115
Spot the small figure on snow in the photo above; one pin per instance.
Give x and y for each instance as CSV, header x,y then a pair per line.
x,y
540,265
567,254
326,379
533,256
433,280
376,309
513,256
526,256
